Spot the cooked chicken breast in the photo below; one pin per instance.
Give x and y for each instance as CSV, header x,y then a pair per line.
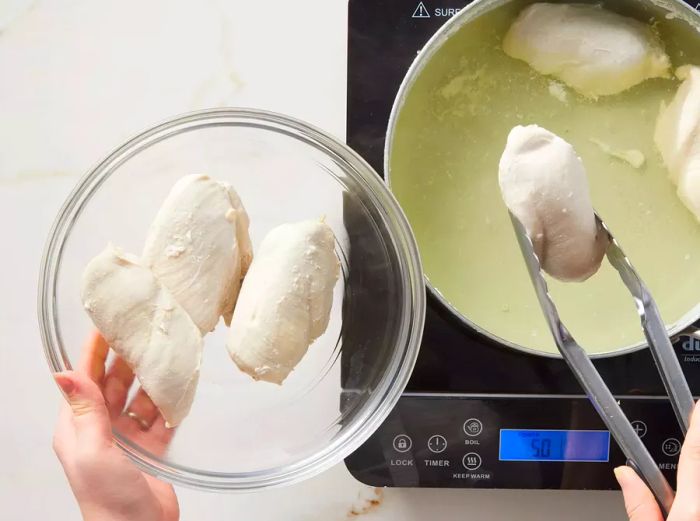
x,y
145,325
677,137
199,248
543,183
594,51
285,301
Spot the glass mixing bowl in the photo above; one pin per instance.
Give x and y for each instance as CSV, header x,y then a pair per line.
x,y
242,434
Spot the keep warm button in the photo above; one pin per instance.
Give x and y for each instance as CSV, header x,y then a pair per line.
x,y
473,476
471,461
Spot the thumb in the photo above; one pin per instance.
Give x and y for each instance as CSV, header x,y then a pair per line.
x,y
639,501
90,415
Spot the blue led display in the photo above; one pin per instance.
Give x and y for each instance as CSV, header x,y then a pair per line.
x,y
554,445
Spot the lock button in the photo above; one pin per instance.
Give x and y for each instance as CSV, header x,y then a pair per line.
x,y
402,443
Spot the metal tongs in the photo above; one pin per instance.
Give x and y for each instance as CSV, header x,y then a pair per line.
x,y
606,405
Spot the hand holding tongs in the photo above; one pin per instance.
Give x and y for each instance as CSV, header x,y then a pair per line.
x,y
604,402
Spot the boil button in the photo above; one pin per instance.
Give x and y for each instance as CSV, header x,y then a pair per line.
x,y
473,427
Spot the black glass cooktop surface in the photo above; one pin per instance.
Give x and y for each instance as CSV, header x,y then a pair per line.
x,y
384,38
460,376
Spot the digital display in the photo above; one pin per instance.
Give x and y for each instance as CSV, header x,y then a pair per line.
x,y
554,445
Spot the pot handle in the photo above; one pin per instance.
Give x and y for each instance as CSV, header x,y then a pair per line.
x,y
692,331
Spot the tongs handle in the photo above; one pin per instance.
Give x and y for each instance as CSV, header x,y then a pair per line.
x,y
670,369
615,419
655,332
597,391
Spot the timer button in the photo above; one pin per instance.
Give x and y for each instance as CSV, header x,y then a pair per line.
x,y
472,427
471,461
437,444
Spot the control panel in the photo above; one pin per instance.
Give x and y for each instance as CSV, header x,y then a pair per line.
x,y
524,442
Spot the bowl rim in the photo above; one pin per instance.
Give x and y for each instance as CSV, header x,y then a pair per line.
x,y
380,401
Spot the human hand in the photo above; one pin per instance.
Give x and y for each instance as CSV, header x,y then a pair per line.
x,y
640,502
106,484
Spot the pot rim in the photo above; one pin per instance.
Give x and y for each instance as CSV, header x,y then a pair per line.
x,y
684,326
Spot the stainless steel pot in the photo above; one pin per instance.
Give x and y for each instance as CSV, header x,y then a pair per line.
x,y
677,10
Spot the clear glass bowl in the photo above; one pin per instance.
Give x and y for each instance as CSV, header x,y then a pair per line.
x,y
242,434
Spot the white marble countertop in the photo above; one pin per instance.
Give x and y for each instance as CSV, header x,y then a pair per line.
x,y
78,77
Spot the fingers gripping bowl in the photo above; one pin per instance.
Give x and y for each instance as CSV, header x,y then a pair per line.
x,y
242,434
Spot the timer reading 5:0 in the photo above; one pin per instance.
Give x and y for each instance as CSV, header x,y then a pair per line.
x,y
554,445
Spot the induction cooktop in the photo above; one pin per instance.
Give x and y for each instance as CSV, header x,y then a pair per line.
x,y
476,414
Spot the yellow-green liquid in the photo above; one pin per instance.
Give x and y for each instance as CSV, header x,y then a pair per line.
x,y
449,138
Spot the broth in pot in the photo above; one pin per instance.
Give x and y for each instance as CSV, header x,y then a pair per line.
x,y
447,134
